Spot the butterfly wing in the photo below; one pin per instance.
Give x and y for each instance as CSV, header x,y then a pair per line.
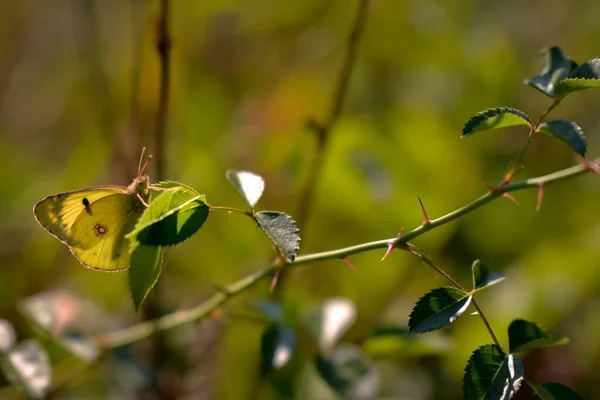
x,y
92,223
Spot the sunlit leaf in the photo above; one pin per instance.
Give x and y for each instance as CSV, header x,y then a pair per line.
x,y
282,231
250,186
277,346
482,277
555,391
350,373
556,66
567,132
525,335
328,323
492,375
146,266
399,342
585,76
28,368
494,118
7,335
438,308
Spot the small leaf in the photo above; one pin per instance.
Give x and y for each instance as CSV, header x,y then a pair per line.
x,y
329,323
271,309
555,391
7,335
172,217
585,76
494,118
350,373
567,132
490,374
525,335
146,266
84,347
277,346
250,186
482,277
398,341
556,67
282,231
438,308
28,368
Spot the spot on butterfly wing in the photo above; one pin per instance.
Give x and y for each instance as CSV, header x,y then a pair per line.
x,y
100,230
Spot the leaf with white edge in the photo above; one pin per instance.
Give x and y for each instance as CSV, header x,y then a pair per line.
x,y
146,266
329,322
567,132
270,309
556,67
482,277
277,346
525,335
438,308
282,231
555,391
27,367
350,373
250,186
585,76
7,335
494,118
492,375
172,217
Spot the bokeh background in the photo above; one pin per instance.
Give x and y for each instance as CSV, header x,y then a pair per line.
x,y
79,84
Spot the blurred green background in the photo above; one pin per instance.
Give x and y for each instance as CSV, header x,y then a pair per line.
x,y
79,83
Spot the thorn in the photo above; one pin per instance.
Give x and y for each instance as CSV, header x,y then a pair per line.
x,y
216,314
229,215
474,313
392,245
509,176
510,197
426,219
588,165
506,195
540,196
349,263
275,280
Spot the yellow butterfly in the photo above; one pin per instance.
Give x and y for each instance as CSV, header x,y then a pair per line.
x,y
93,222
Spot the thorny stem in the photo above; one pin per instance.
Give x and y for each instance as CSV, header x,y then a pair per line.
x,y
485,322
231,209
181,317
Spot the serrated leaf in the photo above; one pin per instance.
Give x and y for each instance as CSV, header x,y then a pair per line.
x,y
249,185
567,132
585,76
350,373
556,67
277,346
494,118
525,335
28,368
399,342
270,309
282,231
438,308
146,266
172,217
555,391
492,375
482,277
7,335
330,321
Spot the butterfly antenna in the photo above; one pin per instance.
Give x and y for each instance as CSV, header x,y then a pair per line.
x,y
143,167
140,163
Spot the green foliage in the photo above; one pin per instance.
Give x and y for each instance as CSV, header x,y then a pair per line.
x,y
438,308
146,266
525,335
277,346
330,321
555,391
555,68
282,231
492,375
585,76
567,132
482,277
494,118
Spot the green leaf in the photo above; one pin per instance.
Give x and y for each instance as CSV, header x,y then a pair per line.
x,y
525,335
438,308
329,322
494,118
8,336
567,132
277,346
482,277
492,375
172,217
585,76
399,342
27,367
282,231
555,391
250,186
146,266
350,373
270,309
556,67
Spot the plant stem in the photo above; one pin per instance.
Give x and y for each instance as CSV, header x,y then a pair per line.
x,y
486,323
163,48
231,209
177,318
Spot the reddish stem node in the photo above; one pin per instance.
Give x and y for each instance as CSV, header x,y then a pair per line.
x,y
588,165
392,245
540,197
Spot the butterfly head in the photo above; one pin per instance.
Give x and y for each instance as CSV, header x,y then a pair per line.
x,y
140,185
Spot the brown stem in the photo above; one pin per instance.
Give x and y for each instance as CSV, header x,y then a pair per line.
x,y
163,47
